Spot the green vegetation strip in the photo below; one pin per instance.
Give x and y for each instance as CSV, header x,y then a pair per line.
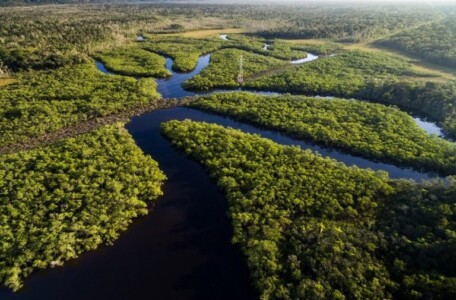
x,y
92,124
276,48
347,24
313,228
47,101
223,70
367,129
343,74
184,51
60,201
134,62
371,76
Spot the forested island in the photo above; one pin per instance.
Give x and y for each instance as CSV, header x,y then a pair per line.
x,y
336,179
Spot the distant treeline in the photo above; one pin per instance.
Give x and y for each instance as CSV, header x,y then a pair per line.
x,y
435,42
33,2
350,24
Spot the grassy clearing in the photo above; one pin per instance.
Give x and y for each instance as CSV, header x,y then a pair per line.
x,y
6,81
417,64
204,33
434,72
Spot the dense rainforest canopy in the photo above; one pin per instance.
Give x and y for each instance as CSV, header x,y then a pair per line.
x,y
59,201
184,52
363,128
312,228
45,101
345,73
369,76
64,34
349,24
224,69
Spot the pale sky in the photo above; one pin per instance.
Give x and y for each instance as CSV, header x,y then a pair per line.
x,y
430,2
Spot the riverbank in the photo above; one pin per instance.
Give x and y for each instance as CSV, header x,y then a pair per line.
x,y
92,124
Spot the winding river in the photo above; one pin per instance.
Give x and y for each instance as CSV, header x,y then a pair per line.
x,y
182,249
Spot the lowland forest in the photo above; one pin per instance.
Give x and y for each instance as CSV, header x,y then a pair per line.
x,y
204,150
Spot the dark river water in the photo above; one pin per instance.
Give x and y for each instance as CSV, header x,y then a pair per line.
x,y
182,249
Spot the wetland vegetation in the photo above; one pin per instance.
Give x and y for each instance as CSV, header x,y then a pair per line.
x,y
45,101
371,130
62,200
312,227
309,227
134,62
370,76
184,52
223,70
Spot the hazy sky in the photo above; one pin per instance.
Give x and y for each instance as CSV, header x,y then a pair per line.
x,y
430,2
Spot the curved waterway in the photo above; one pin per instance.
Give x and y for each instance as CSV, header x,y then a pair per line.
x,y
172,87
101,67
308,58
182,249
429,127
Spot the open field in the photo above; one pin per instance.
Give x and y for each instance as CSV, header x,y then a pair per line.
x,y
418,65
309,41
204,33
6,81
438,73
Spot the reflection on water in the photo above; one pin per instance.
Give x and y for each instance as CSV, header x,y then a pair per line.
x,y
101,67
429,127
310,57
